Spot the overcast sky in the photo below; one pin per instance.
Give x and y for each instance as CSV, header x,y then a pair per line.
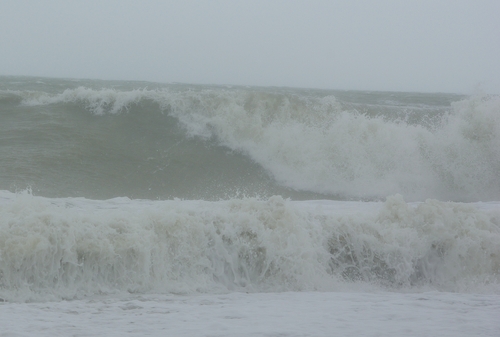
x,y
430,46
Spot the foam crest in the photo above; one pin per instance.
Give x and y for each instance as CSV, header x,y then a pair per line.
x,y
97,101
72,248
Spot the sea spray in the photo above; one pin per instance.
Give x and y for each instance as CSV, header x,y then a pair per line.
x,y
74,247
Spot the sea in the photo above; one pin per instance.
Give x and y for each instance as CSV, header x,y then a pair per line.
x,y
134,208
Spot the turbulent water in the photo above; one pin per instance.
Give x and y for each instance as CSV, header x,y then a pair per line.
x,y
217,188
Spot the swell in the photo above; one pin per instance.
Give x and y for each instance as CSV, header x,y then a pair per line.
x,y
311,141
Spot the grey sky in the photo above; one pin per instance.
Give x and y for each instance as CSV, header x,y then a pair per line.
x,y
445,46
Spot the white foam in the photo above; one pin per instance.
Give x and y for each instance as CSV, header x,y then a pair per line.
x,y
317,146
70,248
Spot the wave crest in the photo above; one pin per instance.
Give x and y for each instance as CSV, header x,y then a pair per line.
x,y
320,144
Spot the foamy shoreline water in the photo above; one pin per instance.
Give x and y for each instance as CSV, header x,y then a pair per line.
x,y
263,314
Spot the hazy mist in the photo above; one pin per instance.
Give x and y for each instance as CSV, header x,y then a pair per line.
x,y
431,46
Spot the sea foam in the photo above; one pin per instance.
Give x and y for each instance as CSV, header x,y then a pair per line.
x,y
73,247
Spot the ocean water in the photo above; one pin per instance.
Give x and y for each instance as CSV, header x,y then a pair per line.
x,y
151,198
